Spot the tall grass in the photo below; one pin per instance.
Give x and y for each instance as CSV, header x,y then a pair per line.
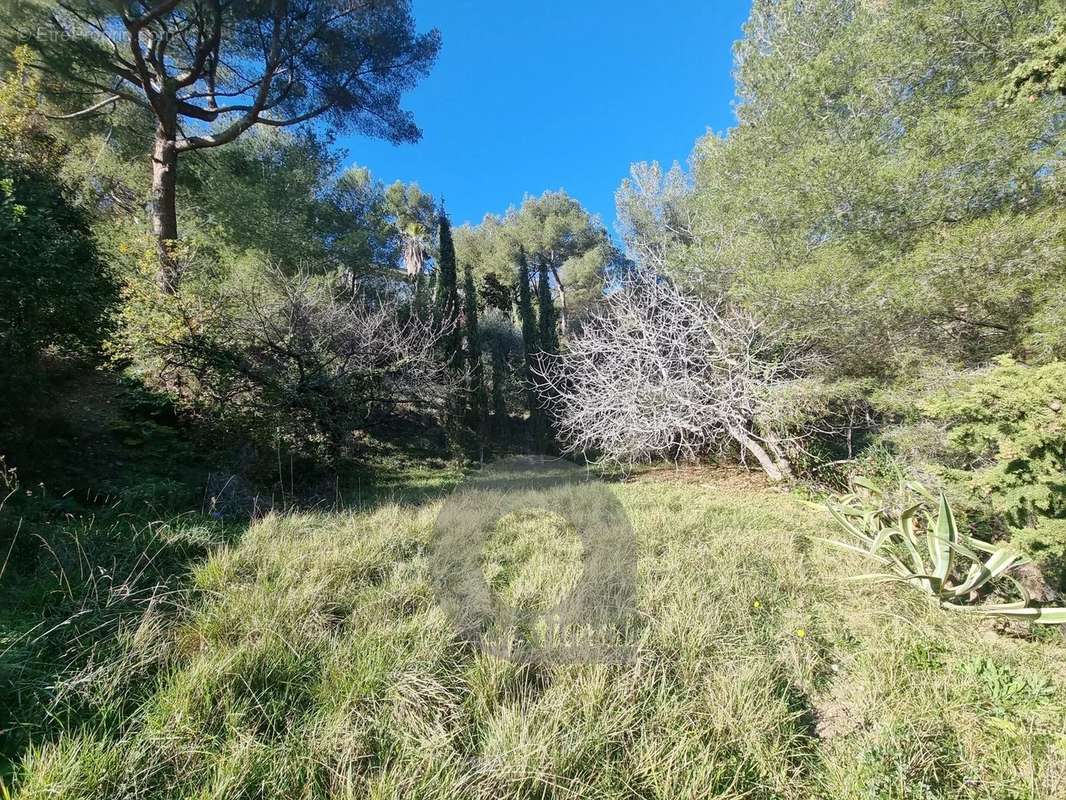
x,y
312,659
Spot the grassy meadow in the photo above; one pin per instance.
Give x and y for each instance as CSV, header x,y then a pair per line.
x,y
311,658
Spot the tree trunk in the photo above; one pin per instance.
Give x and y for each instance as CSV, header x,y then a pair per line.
x,y
499,403
780,457
563,310
777,471
164,208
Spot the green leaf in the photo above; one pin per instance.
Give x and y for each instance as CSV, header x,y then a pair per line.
x,y
940,539
848,526
854,549
868,485
980,574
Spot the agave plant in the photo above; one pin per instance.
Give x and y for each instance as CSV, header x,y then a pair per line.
x,y
929,552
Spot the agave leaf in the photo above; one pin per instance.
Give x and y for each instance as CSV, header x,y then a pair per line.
x,y
983,547
940,538
1026,597
871,521
980,574
855,549
984,608
1041,616
868,485
960,547
883,536
908,514
848,511
848,526
910,539
920,490
877,577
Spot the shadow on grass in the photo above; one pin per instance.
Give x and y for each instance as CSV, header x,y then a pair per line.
x,y
590,620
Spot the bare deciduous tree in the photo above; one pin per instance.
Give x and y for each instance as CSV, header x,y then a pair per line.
x,y
659,374
314,361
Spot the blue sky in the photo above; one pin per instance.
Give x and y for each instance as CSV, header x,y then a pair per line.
x,y
529,96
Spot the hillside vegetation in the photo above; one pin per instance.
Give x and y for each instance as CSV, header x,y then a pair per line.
x,y
269,427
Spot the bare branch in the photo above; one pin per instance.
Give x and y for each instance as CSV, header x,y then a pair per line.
x,y
86,112
659,374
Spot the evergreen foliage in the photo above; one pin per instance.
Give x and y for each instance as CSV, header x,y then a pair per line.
x,y
446,306
477,396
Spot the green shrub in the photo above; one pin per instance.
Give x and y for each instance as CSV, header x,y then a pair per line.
x,y
1046,543
54,290
295,361
1007,439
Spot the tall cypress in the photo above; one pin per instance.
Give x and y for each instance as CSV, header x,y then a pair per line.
x,y
477,397
530,346
499,401
548,333
446,302
525,310
549,317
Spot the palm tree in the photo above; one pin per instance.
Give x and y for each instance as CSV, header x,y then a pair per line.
x,y
416,244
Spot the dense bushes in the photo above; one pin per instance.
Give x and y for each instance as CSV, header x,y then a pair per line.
x,y
298,361
1002,450
1006,438
54,288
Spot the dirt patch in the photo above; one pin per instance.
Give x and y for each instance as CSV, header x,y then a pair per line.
x,y
838,712
702,475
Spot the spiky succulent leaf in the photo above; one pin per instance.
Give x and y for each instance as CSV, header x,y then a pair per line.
x,y
941,537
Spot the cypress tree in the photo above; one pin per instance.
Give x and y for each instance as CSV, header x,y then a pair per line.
x,y
549,332
525,310
477,396
531,346
499,402
446,315
446,302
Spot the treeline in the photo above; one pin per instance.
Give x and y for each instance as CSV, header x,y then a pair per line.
x,y
288,306
891,203
866,275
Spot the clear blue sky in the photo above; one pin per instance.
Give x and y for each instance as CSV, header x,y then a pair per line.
x,y
528,96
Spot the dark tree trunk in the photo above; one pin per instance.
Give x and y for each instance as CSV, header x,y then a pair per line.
x,y
499,404
164,207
